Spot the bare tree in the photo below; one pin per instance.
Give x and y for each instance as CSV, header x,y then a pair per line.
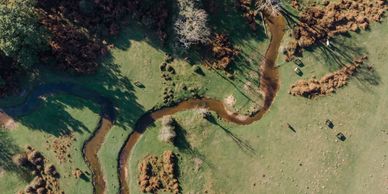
x,y
272,6
191,24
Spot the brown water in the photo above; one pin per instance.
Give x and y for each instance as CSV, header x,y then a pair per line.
x,y
33,102
90,151
269,84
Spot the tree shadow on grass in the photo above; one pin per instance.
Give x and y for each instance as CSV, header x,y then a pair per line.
x,y
227,18
342,52
292,18
112,84
52,117
242,144
7,150
184,146
107,93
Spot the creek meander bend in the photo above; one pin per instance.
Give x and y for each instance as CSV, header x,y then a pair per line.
x,y
269,84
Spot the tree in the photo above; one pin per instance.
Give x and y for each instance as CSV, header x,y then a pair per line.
x,y
21,36
271,6
191,25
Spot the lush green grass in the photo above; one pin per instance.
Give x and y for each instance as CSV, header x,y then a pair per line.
x,y
137,57
311,160
341,167
55,117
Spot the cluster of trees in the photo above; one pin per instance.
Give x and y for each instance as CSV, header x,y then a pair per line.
x,y
70,31
22,40
21,36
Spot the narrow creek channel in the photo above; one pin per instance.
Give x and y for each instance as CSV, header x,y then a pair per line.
x,y
93,144
269,84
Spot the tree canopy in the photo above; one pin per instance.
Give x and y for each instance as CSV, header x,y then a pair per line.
x,y
21,36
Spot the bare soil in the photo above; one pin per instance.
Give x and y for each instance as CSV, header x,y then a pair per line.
x,y
7,122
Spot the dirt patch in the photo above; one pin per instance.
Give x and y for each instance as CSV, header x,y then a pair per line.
x,y
60,146
327,84
197,164
159,174
318,23
46,177
6,121
230,101
105,17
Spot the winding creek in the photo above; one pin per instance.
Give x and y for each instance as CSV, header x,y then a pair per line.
x,y
269,84
93,144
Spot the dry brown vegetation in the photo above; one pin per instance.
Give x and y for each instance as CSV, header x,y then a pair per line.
x,y
45,175
295,4
73,49
328,83
76,34
159,174
319,23
249,14
106,15
60,146
223,52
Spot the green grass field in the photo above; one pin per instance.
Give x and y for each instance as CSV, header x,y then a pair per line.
x,y
310,160
137,57
56,117
264,157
